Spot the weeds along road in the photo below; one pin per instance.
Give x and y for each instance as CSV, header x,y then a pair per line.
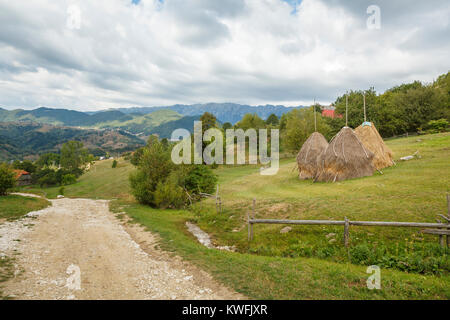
x,y
78,249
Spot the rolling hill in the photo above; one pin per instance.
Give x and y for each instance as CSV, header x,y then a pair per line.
x,y
20,140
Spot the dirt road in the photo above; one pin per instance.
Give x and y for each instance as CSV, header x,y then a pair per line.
x,y
78,249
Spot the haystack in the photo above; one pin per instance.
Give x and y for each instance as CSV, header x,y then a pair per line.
x,y
372,140
309,155
345,158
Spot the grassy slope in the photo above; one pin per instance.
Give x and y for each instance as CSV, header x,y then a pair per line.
x,y
411,191
14,207
393,196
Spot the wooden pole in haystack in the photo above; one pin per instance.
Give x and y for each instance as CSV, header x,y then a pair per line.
x,y
315,120
346,109
364,98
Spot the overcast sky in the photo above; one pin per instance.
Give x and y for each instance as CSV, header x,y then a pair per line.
x,y
91,55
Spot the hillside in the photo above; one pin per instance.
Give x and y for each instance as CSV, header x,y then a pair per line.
x,y
28,140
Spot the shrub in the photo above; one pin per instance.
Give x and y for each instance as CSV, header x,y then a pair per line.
x,y
68,179
435,126
7,179
169,195
201,179
114,164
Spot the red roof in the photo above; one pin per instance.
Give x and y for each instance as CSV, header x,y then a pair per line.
x,y
20,173
330,113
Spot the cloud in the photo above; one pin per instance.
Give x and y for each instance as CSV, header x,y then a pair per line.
x,y
151,52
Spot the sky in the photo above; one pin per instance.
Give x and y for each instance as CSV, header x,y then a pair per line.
x,y
93,55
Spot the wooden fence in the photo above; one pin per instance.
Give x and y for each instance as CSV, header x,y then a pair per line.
x,y
439,228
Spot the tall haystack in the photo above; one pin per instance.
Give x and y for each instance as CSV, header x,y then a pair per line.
x,y
372,140
309,155
345,158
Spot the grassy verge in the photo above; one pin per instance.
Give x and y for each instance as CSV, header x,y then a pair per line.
x,y
260,277
6,272
14,207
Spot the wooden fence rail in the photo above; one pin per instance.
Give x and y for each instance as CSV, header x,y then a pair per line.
x,y
441,229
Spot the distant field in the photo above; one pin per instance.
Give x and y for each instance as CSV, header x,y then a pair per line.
x,y
302,264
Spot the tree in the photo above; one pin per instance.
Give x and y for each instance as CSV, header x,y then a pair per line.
x,y
48,160
272,120
25,165
300,125
7,179
73,155
114,164
208,121
226,126
251,120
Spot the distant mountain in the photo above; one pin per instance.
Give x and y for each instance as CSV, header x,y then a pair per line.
x,y
224,112
20,140
132,122
141,121
165,130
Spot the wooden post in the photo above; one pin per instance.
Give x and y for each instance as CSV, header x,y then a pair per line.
x,y
346,232
253,208
220,204
217,198
448,216
364,97
346,110
250,228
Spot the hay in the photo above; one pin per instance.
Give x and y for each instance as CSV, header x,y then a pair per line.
x,y
309,155
372,140
345,158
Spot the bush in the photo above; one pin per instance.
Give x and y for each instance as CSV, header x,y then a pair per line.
x,y
7,179
68,179
435,126
160,183
114,164
169,195
201,179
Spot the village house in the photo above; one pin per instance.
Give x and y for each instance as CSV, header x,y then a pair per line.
x,y
23,178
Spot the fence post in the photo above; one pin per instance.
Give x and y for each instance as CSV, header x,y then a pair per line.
x,y
217,198
448,215
346,232
220,204
253,208
250,228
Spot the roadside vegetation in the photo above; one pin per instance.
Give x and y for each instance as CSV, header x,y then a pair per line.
x,y
14,207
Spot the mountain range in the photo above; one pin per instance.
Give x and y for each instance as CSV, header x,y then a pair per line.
x,y
28,133
141,121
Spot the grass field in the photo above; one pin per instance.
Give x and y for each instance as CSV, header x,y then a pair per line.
x,y
303,264
411,191
14,207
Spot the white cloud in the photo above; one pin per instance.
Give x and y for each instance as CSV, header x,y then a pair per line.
x,y
196,51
